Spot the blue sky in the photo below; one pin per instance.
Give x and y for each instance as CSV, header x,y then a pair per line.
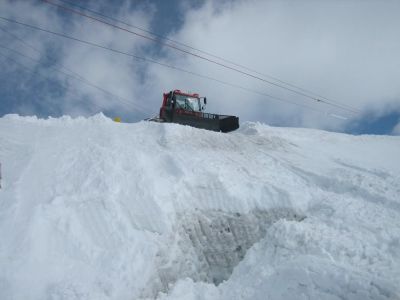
x,y
345,51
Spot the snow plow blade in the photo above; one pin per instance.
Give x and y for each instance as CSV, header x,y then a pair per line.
x,y
214,122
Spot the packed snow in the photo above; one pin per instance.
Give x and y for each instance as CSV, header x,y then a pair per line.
x,y
93,209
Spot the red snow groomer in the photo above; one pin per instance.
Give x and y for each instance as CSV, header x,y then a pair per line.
x,y
187,109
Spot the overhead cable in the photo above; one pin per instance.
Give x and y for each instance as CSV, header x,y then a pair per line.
x,y
134,106
340,106
139,58
35,72
200,51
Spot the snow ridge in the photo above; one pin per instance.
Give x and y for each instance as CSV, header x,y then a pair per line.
x,y
93,209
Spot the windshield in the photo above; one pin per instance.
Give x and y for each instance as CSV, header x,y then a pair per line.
x,y
187,103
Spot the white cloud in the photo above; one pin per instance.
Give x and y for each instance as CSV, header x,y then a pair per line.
x,y
344,51
103,69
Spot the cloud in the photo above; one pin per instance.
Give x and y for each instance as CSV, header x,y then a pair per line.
x,y
110,71
396,129
346,51
101,70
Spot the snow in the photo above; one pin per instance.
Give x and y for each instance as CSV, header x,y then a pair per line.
x,y
93,209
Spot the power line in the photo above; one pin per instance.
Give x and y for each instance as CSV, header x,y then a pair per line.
x,y
30,70
38,51
200,51
178,69
81,79
341,106
72,74
19,39
161,64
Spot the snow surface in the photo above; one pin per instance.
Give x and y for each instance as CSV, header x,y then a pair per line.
x,y
93,209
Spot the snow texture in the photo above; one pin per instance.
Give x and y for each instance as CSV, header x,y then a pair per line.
x,y
93,209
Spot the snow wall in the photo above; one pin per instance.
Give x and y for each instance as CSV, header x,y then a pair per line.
x,y
93,209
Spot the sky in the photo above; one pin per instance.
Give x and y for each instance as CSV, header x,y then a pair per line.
x,y
344,51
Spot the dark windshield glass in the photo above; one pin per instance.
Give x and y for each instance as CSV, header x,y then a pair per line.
x,y
187,103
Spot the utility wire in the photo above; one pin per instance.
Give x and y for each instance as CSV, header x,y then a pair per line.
x,y
72,74
341,106
160,63
19,39
35,72
83,80
198,50
38,51
178,69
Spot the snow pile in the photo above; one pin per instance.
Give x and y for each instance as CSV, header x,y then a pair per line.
x,y
93,209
